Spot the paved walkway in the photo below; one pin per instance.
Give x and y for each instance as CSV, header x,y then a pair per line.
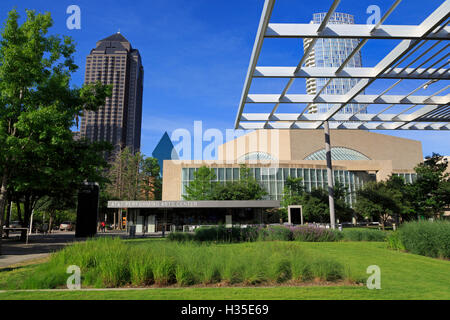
x,y
39,246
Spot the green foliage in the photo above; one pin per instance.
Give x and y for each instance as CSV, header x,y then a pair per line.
x,y
203,187
312,234
222,234
133,177
428,196
426,238
110,262
247,188
278,233
38,108
430,193
181,236
378,200
363,235
315,203
394,242
275,233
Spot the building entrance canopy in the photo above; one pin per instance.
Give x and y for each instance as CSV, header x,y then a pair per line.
x,y
194,204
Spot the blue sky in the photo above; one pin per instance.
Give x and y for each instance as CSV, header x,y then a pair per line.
x,y
196,53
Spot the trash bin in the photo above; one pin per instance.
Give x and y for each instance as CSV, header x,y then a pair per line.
x,y
132,231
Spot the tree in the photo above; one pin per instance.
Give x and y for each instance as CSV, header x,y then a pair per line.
x,y
429,194
37,109
315,204
203,186
378,200
246,188
151,179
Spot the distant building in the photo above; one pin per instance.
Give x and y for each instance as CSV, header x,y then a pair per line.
x,y
114,61
332,53
358,157
164,150
76,135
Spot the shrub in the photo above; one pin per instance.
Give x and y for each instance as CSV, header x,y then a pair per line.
x,y
314,234
117,263
283,271
164,271
272,233
394,241
363,235
328,270
426,238
181,236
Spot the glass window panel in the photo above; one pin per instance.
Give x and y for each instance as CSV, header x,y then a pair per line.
x,y
235,174
313,175
191,173
265,174
273,190
185,174
272,174
293,173
258,174
221,174
228,174
285,173
307,178
279,174
299,173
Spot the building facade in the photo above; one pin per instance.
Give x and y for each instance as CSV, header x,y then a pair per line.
x,y
275,155
332,53
114,61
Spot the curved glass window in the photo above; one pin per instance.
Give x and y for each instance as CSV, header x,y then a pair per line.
x,y
338,153
257,156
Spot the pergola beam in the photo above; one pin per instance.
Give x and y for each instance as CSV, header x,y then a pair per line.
x,y
339,99
264,22
323,72
348,126
341,117
351,31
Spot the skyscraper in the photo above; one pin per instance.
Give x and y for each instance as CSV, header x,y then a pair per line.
x,y
332,53
114,61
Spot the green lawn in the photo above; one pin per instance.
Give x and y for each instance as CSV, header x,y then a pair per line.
x,y
403,276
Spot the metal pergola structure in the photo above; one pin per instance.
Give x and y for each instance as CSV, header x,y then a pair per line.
x,y
419,112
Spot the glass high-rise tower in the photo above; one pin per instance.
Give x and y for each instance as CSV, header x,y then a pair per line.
x,y
332,53
114,61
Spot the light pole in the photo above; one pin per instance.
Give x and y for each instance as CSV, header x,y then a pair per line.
x,y
329,174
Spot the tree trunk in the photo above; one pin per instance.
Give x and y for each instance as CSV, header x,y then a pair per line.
x,y
50,222
8,217
2,205
19,212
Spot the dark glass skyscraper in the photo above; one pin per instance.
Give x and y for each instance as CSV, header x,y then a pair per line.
x,y
114,61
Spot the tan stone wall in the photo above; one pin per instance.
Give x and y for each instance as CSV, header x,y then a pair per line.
x,y
274,142
298,144
404,153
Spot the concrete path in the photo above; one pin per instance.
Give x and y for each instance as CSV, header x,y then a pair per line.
x,y
38,247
